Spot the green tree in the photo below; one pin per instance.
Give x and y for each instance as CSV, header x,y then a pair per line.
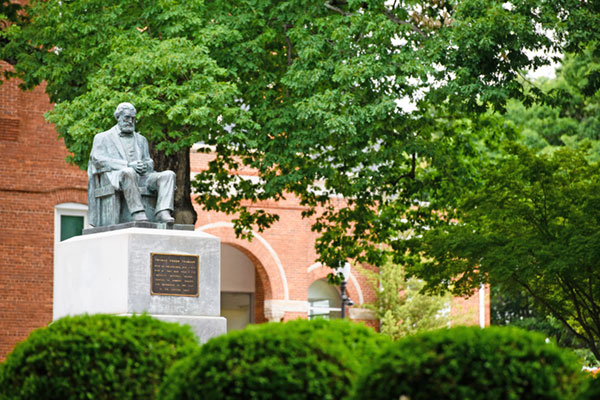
x,y
519,309
308,93
531,226
95,54
569,114
330,114
10,13
400,305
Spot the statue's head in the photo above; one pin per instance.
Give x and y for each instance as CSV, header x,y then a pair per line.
x,y
125,115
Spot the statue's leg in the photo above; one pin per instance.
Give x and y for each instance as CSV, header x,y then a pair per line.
x,y
164,184
128,183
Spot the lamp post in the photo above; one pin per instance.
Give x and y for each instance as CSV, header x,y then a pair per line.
x,y
345,299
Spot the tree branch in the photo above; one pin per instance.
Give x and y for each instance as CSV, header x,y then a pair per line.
x,y
579,297
577,305
528,80
337,10
557,314
413,168
392,17
288,42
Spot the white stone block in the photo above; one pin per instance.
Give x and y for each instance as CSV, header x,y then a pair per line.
x,y
110,273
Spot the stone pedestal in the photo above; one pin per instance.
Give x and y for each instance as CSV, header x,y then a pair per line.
x,y
110,272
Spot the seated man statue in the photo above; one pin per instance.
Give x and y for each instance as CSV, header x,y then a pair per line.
x,y
122,155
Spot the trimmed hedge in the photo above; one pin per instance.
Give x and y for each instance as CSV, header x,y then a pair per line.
x,y
592,390
472,363
94,357
300,359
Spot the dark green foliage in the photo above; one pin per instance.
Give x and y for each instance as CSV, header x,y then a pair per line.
x,y
94,357
591,391
323,85
297,360
531,226
10,13
517,309
311,94
317,77
472,363
569,115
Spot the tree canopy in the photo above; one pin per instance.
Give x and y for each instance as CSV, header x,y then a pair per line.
x,y
567,118
569,114
380,102
95,54
531,226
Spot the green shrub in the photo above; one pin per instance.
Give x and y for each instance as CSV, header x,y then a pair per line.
x,y
472,363
591,389
94,357
300,359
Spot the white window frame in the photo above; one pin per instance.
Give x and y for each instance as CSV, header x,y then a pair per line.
x,y
316,311
319,311
68,209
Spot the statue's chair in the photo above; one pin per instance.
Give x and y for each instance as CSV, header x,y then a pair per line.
x,y
111,207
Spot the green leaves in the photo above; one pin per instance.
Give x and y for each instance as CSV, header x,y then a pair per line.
x,y
531,226
400,306
472,363
95,357
182,95
325,86
385,105
299,359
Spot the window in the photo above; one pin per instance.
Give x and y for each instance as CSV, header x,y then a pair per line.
x,y
324,301
70,225
69,220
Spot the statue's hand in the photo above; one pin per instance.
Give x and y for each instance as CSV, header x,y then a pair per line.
x,y
138,166
143,168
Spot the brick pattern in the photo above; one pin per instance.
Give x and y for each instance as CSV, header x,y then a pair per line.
x,y
35,178
9,129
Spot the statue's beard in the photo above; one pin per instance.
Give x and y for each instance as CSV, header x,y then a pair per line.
x,y
126,128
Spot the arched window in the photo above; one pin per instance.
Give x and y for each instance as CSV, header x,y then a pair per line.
x,y
324,301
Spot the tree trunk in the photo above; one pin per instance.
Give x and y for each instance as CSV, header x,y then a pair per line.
x,y
179,163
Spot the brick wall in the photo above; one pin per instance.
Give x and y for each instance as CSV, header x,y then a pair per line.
x,y
35,178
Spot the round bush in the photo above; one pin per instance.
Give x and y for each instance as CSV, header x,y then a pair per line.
x,y
472,363
591,390
94,357
300,359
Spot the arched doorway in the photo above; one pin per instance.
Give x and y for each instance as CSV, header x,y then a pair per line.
x,y
238,288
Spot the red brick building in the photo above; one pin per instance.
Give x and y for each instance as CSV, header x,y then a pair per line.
x,y
272,278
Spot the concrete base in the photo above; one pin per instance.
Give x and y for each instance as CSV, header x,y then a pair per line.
x,y
110,273
139,224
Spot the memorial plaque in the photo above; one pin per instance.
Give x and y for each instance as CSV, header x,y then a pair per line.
x,y
174,274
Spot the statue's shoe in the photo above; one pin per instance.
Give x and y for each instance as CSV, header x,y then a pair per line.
x,y
164,216
139,216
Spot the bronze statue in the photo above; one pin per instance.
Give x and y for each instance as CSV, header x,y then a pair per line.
x,y
123,185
